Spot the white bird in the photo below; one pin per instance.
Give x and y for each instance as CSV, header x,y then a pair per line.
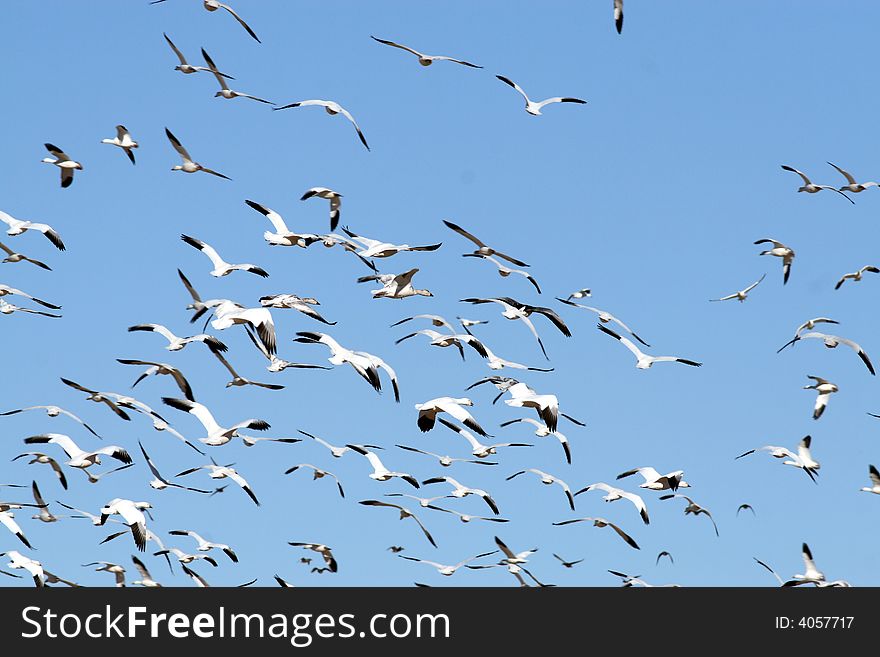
x,y
124,141
336,452
332,108
189,166
693,508
238,380
742,294
601,522
206,546
615,494
534,108
523,396
19,227
444,460
214,5
425,60
186,68
875,481
643,360
228,313
94,478
478,449
655,481
7,308
605,317
225,91
463,491
511,557
157,369
809,325
580,294
146,579
6,290
436,320
505,271
853,186
513,309
64,162
780,251
811,188
223,472
429,410
424,502
856,275
176,343
542,431
109,567
325,551
340,355
395,286
217,435
7,519
294,302
548,479
335,199
39,457
825,390
454,339
482,248
132,515
495,362
18,560
380,472
282,236
467,323
317,473
159,482
12,256
803,459
184,558
444,569
52,411
812,575
78,458
221,267
831,341
378,249
618,15
404,514
466,517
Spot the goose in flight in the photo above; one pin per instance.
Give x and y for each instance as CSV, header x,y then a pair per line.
x,y
467,323
424,60
447,570
317,473
511,558
478,449
225,91
176,343
404,514
662,554
19,227
132,514
424,502
436,320
824,389
109,567
875,481
282,236
455,339
429,410
742,294
157,369
146,579
643,360
809,325
853,186
743,507
605,317
124,141
7,308
378,249
18,560
618,15
335,199
811,188
39,457
495,362
198,306
52,411
186,68
12,256
534,108
522,396
444,460
206,546
223,472
184,558
78,458
189,166
466,517
214,5
294,302
217,435
505,271
6,290
332,108
325,551
856,275
512,311
693,508
615,494
579,294
601,522
95,478
803,459
239,381
482,248
159,482
380,364
463,491
542,431
655,481
336,452
780,251
395,286
229,313
811,575
548,479
831,341
567,564
380,472
97,397
221,267
340,355
7,519
64,162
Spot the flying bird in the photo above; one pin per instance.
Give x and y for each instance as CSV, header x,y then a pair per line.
x,y
853,186
317,473
618,15
779,250
12,256
335,199
222,472
425,60
176,343
216,435
97,397
206,546
214,5
534,108
601,522
186,68
395,286
221,267
378,249
605,317
238,380
482,248
693,508
429,410
132,514
158,369
444,569
189,166
52,411
742,507
803,459
742,294
614,494
159,482
643,360
831,341
655,481
380,472
444,460
332,108
225,91
856,275
64,162
39,457
478,449
875,481
811,188
505,271
7,308
404,514
567,564
294,302
825,390
124,141
325,552
542,431
19,227
463,491
548,479
77,457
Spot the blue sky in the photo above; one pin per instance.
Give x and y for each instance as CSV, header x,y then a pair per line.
x,y
651,194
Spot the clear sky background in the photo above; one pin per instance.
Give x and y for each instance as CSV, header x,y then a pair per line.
x,y
651,194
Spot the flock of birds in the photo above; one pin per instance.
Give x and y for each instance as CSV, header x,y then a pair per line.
x,y
540,408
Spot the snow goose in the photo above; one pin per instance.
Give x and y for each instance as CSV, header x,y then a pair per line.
x,y
615,494
7,308
380,364
221,267
282,236
831,341
238,380
6,290
429,410
94,478
109,567
692,508
184,558
78,458
824,389
547,479
124,141
380,472
225,91
811,188
522,396
52,411
742,294
436,320
780,251
482,248
7,519
223,472
424,60
317,473
395,286
18,560
336,452
478,449
159,482
512,312
340,355
39,457
146,579
325,551
332,108
542,431
132,516
605,317
97,397
444,460
505,271
186,68
198,306
157,369
655,481
643,360
189,166
12,256
378,249
534,108
853,186
811,575
875,481
404,514
444,569
512,558
803,459
466,517
20,226
467,323
217,435
335,199
856,275
283,583
601,522
424,502
294,302
618,15
228,313
460,491
214,5
64,162
567,564
495,362
455,339
579,294
206,546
